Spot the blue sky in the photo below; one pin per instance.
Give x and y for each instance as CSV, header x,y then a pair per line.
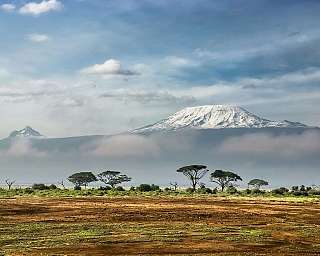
x,y
72,67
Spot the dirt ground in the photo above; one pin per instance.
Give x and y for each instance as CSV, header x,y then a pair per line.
x,y
158,226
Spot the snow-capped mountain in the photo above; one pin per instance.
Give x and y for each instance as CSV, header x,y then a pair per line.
x,y
215,117
27,132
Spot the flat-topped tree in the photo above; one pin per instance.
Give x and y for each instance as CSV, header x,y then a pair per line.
x,y
257,183
224,178
194,173
113,178
82,179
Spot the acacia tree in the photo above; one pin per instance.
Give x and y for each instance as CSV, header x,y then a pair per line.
x,y
224,178
113,178
82,179
194,173
257,183
9,183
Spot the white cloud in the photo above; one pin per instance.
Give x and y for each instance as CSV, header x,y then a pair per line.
x,y
109,67
126,146
8,7
36,9
38,38
261,144
180,62
22,148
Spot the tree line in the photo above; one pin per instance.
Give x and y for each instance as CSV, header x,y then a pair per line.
x,y
194,173
224,179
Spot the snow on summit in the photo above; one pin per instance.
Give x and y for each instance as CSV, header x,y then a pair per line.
x,y
27,132
215,117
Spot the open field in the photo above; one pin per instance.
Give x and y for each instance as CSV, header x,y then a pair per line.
x,y
131,225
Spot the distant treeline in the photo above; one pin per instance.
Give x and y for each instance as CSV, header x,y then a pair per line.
x,y
225,181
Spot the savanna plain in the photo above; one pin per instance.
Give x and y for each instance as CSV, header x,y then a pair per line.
x,y
146,224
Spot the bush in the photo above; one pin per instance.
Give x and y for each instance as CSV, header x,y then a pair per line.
x,y
280,191
28,191
105,188
120,188
257,192
314,192
231,190
300,193
189,190
247,191
39,186
155,187
144,188
52,186
77,188
204,190
132,189
147,188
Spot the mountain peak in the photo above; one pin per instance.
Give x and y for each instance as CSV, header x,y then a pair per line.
x,y
27,132
215,117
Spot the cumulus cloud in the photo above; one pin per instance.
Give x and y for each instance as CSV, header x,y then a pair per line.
x,y
7,7
38,38
109,67
307,143
36,9
126,146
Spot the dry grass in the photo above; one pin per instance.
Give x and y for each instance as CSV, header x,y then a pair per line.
x,y
158,226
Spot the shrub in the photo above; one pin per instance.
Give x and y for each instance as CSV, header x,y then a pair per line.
x,y
247,191
39,186
148,187
132,189
314,192
189,190
155,187
28,191
52,186
231,190
77,188
120,188
257,192
105,188
144,188
204,190
300,193
280,191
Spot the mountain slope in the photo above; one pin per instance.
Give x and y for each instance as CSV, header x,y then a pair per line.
x,y
215,117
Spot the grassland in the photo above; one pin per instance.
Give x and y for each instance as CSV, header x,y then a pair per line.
x,y
158,224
